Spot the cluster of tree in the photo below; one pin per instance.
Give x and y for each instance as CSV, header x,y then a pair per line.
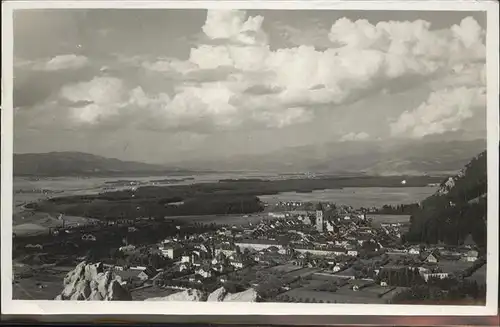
x,y
328,287
401,209
443,291
153,200
458,210
404,277
142,257
155,208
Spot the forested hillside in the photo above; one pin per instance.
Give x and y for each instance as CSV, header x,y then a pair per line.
x,y
456,210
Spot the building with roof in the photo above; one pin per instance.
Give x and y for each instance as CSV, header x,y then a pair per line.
x,y
171,251
432,257
258,244
470,256
148,273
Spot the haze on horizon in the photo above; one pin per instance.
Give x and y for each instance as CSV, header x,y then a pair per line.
x,y
166,85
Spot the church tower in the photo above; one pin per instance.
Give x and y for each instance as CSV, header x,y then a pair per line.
x,y
319,218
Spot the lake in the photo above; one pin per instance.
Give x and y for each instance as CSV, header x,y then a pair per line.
x,y
357,196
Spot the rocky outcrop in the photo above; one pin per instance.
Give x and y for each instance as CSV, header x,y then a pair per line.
x,y
190,295
446,186
219,295
90,282
250,295
222,295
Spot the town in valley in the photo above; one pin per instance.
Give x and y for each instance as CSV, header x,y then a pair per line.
x,y
321,156
282,251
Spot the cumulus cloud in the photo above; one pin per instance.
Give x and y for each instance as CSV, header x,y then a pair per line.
x,y
252,83
445,110
61,62
413,39
170,65
355,137
233,25
361,56
101,97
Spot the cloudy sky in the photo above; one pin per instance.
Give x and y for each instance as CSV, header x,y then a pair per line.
x,y
163,85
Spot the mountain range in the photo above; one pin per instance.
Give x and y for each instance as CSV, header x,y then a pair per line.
x,y
359,158
78,163
368,157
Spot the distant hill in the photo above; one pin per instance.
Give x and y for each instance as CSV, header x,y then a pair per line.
x,y
80,164
456,210
366,158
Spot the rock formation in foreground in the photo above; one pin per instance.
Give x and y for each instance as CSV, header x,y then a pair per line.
x,y
191,295
219,295
222,295
90,282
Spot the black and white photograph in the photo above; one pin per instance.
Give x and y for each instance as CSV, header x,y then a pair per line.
x,y
314,158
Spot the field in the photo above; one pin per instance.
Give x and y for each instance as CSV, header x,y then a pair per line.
x,y
452,266
389,219
318,289
37,283
357,196
30,223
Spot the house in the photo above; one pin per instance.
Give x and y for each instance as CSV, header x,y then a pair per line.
x,y
127,248
471,256
414,250
433,257
440,275
113,267
184,266
205,271
170,251
330,226
88,237
141,268
352,253
148,273
227,250
307,221
337,250
237,262
219,258
258,244
186,259
423,270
